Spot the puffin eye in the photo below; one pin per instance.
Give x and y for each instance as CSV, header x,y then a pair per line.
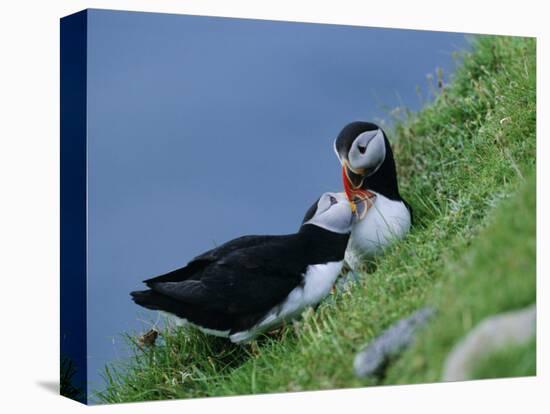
x,y
362,149
332,200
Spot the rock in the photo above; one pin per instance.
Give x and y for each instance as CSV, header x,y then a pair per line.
x,y
490,335
374,358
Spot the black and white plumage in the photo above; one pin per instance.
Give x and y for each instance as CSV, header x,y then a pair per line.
x,y
254,283
370,182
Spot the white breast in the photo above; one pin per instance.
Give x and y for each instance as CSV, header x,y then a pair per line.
x,y
385,222
318,281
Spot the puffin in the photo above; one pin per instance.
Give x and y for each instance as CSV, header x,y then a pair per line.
x,y
256,283
370,182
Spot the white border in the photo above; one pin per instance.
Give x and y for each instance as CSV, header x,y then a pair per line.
x,y
29,200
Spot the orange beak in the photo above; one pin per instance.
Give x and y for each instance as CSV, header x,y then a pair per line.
x,y
356,195
348,188
352,191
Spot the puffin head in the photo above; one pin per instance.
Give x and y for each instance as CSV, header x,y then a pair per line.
x,y
332,212
367,162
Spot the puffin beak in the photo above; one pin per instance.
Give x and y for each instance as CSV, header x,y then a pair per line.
x,y
354,177
360,200
353,180
348,188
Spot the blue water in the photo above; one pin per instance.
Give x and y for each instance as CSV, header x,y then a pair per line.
x,y
203,129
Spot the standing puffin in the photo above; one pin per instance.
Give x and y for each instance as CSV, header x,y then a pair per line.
x,y
370,182
254,283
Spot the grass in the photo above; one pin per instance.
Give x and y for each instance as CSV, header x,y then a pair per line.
x,y
466,164
495,274
67,386
514,361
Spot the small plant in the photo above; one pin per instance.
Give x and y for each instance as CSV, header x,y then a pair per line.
x,y
66,383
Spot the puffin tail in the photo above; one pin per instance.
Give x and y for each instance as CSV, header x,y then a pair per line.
x,y
151,300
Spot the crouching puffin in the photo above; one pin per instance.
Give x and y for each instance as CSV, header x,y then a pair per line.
x,y
370,182
255,283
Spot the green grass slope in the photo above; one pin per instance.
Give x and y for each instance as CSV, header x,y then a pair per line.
x,y
466,165
496,273
512,361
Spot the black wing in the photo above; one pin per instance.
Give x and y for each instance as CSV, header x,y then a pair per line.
x,y
245,276
194,268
